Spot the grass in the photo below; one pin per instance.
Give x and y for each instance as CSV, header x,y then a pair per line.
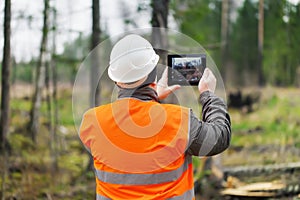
x,y
30,173
269,134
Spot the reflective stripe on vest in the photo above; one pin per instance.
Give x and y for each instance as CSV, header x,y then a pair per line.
x,y
142,179
100,197
186,196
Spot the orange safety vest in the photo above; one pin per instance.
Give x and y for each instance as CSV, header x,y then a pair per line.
x,y
139,150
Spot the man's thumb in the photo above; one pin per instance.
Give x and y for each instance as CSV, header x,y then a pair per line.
x,y
174,87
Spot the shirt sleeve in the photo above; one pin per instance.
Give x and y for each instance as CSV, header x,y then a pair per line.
x,y
212,135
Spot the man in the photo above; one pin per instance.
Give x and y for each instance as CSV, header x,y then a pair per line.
x,y
142,149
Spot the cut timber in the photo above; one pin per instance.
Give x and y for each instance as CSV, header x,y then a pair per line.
x,y
263,186
262,189
242,193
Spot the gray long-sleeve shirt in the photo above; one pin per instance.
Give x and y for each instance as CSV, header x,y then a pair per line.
x,y
211,135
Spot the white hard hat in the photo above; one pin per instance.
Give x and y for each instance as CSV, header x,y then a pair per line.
x,y
131,59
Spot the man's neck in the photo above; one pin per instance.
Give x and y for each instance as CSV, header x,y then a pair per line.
x,y
146,93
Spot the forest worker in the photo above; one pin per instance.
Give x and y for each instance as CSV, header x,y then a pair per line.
x,y
143,149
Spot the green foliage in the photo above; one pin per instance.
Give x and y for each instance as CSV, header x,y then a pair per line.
x,y
273,102
73,162
18,105
24,72
244,38
281,55
20,141
199,19
65,108
74,54
30,164
294,26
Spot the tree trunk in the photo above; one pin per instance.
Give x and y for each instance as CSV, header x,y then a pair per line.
x,y
260,43
49,99
6,62
14,71
95,68
53,136
95,62
224,39
159,37
40,77
5,93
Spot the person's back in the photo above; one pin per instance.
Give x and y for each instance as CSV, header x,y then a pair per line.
x,y
127,159
143,149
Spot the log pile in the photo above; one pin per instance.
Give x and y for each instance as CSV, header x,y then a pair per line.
x,y
263,190
264,169
272,189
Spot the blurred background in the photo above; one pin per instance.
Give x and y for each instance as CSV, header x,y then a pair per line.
x,y
254,43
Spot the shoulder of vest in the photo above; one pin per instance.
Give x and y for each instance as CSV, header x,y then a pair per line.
x,y
169,107
96,109
174,106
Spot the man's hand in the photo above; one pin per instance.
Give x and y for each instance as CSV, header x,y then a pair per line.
x,y
163,90
208,82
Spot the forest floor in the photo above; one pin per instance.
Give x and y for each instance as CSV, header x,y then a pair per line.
x,y
270,132
267,135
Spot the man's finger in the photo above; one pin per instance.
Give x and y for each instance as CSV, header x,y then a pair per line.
x,y
164,78
206,73
174,87
165,74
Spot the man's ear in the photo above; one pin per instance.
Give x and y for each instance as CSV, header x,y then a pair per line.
x,y
121,85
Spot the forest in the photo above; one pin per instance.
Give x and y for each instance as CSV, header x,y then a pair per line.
x,y
252,45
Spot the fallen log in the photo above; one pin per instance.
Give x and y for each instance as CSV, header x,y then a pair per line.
x,y
263,169
261,189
